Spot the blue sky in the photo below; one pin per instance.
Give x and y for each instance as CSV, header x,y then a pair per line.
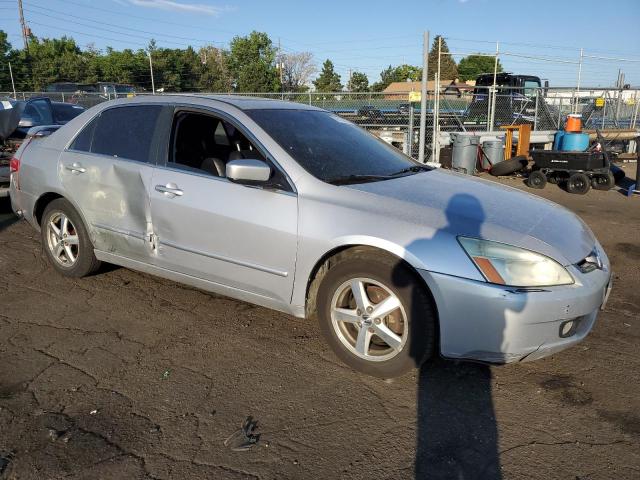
x,y
365,35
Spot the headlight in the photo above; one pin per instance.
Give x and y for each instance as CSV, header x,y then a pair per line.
x,y
513,266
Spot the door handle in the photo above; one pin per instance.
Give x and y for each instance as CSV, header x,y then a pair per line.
x,y
170,189
76,168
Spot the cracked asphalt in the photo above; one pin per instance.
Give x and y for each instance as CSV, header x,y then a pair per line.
x,y
124,375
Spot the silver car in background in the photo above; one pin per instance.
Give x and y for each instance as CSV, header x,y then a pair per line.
x,y
296,209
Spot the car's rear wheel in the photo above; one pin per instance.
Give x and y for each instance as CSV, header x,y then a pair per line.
x,y
376,315
66,241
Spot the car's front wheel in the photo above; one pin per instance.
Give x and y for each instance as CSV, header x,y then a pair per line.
x,y
66,241
375,314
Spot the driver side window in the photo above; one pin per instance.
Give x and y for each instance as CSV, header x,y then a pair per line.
x,y
205,144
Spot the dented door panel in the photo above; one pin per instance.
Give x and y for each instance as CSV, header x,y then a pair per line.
x,y
113,196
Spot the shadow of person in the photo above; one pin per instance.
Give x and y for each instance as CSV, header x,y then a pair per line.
x,y
457,432
7,217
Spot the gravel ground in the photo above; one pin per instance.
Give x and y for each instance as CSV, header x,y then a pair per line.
x,y
124,375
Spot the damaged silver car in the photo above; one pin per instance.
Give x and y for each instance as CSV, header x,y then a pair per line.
x,y
292,207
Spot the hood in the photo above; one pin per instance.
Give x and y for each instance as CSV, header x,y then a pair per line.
x,y
464,205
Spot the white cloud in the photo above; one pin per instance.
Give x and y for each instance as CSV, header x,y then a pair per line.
x,y
176,6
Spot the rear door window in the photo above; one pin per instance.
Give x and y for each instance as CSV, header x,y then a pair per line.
x,y
127,132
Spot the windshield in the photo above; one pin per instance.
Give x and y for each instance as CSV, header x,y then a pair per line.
x,y
332,148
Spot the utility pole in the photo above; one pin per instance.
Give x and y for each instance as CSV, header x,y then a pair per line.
x,y
575,104
281,68
23,26
423,98
13,85
153,83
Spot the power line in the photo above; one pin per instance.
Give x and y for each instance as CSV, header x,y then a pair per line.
x,y
111,25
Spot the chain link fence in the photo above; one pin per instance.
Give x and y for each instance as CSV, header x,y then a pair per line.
x,y
392,117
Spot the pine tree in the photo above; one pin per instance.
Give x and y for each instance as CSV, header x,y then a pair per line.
x,y
328,80
448,67
358,82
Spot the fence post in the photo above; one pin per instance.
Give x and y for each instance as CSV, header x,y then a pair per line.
x,y
491,121
410,129
535,113
423,98
635,111
560,113
435,144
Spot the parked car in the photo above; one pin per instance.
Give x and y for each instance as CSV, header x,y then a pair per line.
x,y
115,90
371,112
294,208
42,111
404,108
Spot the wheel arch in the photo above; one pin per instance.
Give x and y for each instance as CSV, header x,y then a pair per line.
x,y
323,263
46,198
41,204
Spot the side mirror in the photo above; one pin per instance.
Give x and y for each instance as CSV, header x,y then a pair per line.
x,y
26,122
248,170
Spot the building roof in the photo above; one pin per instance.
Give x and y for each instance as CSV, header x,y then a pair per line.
x,y
406,87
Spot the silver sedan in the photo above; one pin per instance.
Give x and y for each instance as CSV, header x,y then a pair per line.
x,y
294,208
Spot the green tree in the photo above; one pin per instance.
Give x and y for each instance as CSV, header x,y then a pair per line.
x,y
214,76
328,80
252,65
358,82
448,67
54,60
473,65
400,73
5,49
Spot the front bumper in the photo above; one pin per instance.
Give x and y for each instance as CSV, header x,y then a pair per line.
x,y
496,324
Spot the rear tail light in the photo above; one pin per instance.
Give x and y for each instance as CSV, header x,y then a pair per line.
x,y
14,165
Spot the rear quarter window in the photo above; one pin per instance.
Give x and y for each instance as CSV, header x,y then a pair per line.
x,y
126,132
82,142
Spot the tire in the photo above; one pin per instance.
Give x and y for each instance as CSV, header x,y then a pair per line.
x,y
553,180
618,173
603,182
537,179
72,258
381,277
578,183
508,167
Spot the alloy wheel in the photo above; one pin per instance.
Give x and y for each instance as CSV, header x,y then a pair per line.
x,y
62,240
369,319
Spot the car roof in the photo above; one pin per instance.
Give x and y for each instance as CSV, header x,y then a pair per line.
x,y
238,101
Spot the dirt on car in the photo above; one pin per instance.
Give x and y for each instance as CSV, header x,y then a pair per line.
x,y
125,375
